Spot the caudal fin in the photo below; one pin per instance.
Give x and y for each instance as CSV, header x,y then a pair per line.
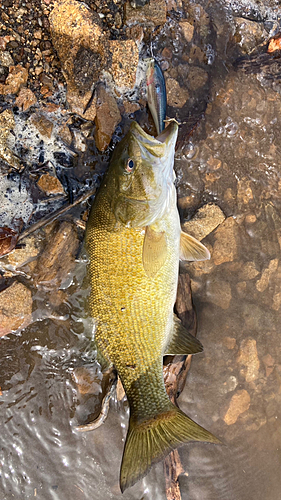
x,y
149,442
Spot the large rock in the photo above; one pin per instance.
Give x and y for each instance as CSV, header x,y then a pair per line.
x,y
15,308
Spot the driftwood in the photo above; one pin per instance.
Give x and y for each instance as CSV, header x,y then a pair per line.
x,y
175,372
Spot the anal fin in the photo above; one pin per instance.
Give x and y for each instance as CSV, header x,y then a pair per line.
x,y
181,341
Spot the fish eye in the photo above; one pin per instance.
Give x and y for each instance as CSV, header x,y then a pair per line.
x,y
130,165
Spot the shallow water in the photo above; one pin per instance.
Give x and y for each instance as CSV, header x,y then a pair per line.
x,y
231,159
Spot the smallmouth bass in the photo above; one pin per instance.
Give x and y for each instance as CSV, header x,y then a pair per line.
x,y
134,242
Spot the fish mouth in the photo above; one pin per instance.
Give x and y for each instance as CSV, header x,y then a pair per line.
x,y
157,146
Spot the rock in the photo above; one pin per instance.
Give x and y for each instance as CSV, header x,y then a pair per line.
x,y
65,134
244,192
187,29
229,342
43,124
85,53
263,282
7,124
58,257
248,357
151,14
229,385
16,78
124,57
130,107
206,219
269,363
25,99
78,40
219,293
15,308
6,59
274,44
226,239
8,241
239,403
248,272
87,380
50,184
176,95
197,78
108,116
249,34
20,256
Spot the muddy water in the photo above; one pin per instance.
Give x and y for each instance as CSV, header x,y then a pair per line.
x,y
233,388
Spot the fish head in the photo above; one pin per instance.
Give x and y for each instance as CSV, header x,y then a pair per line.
x,y
141,176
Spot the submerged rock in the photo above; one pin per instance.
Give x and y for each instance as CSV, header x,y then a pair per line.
x,y
50,184
108,116
239,403
248,357
15,308
206,219
153,13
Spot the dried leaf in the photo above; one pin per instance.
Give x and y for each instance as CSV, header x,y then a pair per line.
x,y
8,240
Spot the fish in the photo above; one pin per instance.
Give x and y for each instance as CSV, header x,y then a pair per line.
x,y
156,93
134,244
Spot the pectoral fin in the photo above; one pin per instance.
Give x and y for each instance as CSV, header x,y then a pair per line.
x,y
192,249
154,252
181,341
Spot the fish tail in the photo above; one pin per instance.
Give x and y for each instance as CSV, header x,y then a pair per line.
x,y
150,441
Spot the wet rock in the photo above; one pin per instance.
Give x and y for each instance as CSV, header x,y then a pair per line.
x,y
50,184
65,134
87,380
244,192
204,221
248,34
43,124
15,308
8,240
20,256
263,282
229,385
197,78
239,403
248,357
269,363
16,78
130,107
151,14
7,124
176,95
248,272
77,38
25,99
219,293
58,257
85,53
274,44
6,59
108,116
124,62
226,239
79,141
229,342
187,29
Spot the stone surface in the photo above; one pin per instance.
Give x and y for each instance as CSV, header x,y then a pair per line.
x,y
7,124
176,95
78,40
6,59
249,271
58,256
50,184
249,34
85,52
226,240
197,78
267,273
153,13
108,116
16,78
229,342
219,293
43,124
239,403
187,29
248,358
20,256
206,219
25,99
15,308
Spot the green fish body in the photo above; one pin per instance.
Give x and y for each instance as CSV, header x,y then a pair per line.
x,y
134,242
